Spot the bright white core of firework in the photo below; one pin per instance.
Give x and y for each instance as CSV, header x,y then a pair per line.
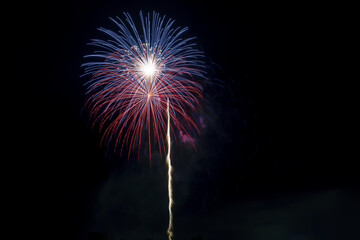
x,y
148,69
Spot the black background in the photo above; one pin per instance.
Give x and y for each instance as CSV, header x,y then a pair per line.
x,y
266,166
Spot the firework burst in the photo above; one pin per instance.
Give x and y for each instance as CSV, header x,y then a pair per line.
x,y
134,74
143,80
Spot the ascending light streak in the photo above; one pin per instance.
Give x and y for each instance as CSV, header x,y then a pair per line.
x,y
168,161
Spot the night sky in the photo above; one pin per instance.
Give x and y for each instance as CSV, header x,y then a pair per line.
x,y
265,166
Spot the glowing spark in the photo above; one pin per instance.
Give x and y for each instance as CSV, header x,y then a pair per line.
x,y
168,161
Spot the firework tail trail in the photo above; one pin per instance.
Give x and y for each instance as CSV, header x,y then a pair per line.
x,y
168,162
